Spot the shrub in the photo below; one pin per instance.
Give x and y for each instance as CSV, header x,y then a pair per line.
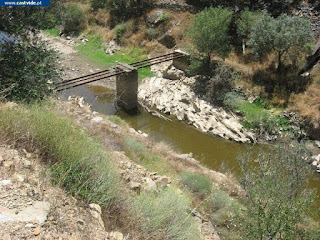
x,y
151,33
165,17
219,81
28,69
53,32
164,216
274,182
134,145
233,99
73,18
119,30
196,183
77,162
224,213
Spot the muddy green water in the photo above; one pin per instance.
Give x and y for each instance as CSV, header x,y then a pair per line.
x,y
215,153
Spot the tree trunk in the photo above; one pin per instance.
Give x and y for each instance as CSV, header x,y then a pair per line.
x,y
279,69
243,47
209,62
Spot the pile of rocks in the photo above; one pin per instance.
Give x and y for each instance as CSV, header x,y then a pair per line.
x,y
315,160
174,96
30,207
137,177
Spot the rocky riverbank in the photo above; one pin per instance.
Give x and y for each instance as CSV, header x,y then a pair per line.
x,y
32,208
170,93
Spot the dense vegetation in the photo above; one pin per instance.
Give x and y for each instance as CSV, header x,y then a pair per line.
x,y
28,68
274,183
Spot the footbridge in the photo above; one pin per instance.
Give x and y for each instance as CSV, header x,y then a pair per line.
x,y
127,77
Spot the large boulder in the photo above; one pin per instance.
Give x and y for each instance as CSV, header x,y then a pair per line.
x,y
154,19
173,74
113,47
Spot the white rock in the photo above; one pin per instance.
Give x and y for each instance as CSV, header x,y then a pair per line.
x,y
151,184
36,213
116,236
29,225
95,207
5,182
97,119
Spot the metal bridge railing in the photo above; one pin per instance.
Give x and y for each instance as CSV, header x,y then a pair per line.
x,y
114,71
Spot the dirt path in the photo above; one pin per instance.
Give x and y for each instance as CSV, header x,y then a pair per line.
x,y
71,62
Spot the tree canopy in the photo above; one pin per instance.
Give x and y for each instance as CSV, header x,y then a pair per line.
x,y
209,32
280,35
274,183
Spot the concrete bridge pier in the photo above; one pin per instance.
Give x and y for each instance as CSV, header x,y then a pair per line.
x,y
127,88
182,63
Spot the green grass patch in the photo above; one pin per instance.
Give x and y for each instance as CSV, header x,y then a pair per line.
x,y
155,163
94,52
117,120
224,213
164,215
52,31
134,145
136,151
258,118
196,183
165,17
251,111
77,162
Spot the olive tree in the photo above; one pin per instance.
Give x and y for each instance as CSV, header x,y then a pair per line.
x,y
245,23
274,182
209,32
281,36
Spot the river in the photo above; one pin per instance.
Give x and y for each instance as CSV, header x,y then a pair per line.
x,y
215,153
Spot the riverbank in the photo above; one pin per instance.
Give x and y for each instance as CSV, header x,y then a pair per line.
x,y
171,93
144,166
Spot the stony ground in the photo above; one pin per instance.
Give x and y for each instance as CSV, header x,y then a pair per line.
x,y
71,63
32,208
170,92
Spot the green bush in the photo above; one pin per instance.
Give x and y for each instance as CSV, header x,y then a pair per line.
x,y
134,145
275,182
233,100
53,32
224,212
196,183
28,69
219,81
164,216
119,30
73,18
151,33
165,17
78,162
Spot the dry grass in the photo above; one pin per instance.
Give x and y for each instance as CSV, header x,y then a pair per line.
x,y
308,104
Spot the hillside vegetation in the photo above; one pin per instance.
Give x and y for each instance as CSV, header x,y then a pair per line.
x,y
246,57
